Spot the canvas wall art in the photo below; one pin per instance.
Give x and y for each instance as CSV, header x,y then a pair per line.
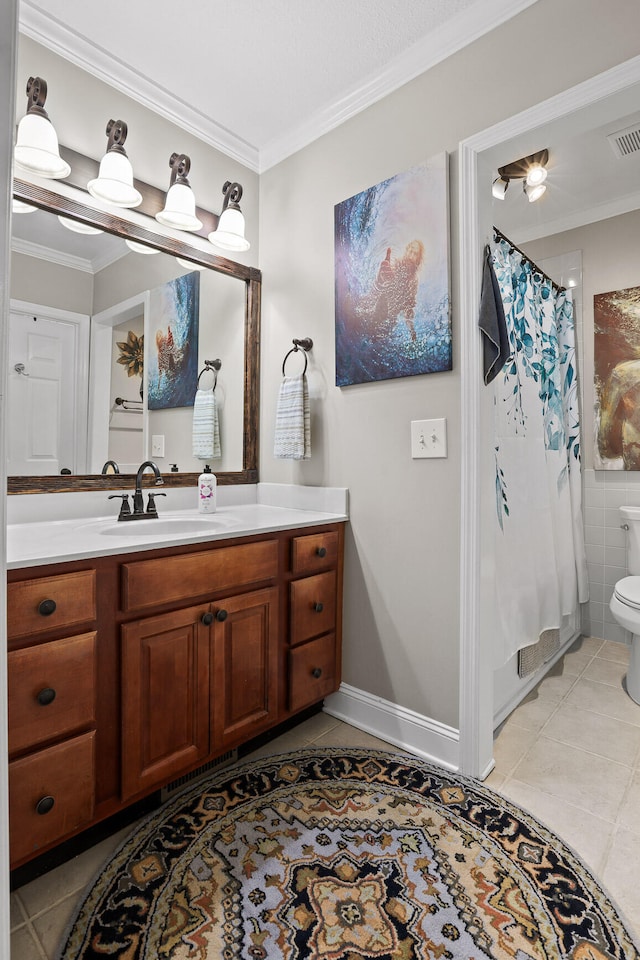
x,y
173,353
616,318
392,298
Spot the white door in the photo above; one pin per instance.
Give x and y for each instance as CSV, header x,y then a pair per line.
x,y
45,433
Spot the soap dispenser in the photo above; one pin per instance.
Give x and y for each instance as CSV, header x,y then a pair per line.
x,y
207,491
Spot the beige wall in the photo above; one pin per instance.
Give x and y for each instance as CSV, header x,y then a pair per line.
x,y
50,284
402,565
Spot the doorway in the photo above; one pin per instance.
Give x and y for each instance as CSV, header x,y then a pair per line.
x,y
46,391
614,89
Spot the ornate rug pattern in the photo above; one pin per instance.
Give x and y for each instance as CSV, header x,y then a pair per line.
x,y
332,854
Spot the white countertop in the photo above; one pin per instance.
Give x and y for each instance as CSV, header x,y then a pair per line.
x,y
77,538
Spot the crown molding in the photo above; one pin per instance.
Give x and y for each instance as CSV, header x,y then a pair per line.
x,y
40,252
482,17
456,33
54,35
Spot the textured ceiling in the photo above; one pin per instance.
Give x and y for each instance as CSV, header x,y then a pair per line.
x,y
267,74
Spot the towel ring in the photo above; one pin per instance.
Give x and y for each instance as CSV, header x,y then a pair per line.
x,y
210,366
305,344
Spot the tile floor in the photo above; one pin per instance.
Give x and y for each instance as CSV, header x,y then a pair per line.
x,y
569,754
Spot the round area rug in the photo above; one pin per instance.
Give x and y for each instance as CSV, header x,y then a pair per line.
x,y
333,854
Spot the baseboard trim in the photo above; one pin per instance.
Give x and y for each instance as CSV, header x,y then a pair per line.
x,y
398,725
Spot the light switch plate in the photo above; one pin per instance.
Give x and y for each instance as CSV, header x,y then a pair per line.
x,y
157,445
428,438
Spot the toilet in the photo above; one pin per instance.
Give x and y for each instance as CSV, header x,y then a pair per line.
x,y
625,600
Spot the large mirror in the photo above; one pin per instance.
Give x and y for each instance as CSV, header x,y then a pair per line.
x,y
98,330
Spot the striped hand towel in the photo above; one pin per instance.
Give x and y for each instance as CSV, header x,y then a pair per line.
x,y
206,428
293,423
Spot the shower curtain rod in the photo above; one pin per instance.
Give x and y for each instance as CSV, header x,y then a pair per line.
x,y
534,266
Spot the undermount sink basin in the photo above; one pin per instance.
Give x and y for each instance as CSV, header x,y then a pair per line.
x,y
174,526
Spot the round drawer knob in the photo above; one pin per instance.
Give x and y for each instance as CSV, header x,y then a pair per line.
x,y
46,696
207,619
44,805
46,608
318,607
321,551
221,615
317,673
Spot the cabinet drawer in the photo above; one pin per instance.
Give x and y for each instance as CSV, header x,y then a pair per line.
x,y
312,671
148,583
314,552
47,603
63,774
52,690
313,606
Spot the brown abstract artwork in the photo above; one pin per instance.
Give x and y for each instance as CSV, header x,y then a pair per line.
x,y
617,379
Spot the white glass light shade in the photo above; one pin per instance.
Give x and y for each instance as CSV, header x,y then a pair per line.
x,y
536,174
114,182
37,148
140,247
230,232
79,227
534,193
19,206
499,188
189,265
179,209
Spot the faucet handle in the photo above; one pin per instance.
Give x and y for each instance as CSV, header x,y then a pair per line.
x,y
152,510
125,509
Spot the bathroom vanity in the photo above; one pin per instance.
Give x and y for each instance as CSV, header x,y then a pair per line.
x,y
130,667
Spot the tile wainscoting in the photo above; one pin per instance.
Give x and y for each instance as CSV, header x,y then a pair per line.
x,y
604,491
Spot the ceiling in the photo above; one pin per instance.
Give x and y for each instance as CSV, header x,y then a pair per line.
x,y
259,79
300,67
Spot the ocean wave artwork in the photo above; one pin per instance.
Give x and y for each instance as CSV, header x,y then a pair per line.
x,y
392,298
173,343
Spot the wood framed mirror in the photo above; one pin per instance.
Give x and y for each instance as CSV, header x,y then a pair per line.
x,y
245,368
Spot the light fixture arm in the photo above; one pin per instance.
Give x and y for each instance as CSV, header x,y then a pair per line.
x,y
37,96
180,165
117,133
232,196
519,168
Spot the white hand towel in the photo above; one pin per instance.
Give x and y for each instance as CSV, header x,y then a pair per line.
x,y
293,422
206,428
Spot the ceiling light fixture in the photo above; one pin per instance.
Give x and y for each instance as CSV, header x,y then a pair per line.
x,y
37,147
229,234
532,170
180,204
114,182
19,206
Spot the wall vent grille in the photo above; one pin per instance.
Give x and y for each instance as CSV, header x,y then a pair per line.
x,y
225,760
625,142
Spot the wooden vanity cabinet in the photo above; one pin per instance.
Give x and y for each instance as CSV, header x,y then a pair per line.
x,y
160,661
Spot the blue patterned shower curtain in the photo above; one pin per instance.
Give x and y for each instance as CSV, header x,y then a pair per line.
x,y
541,570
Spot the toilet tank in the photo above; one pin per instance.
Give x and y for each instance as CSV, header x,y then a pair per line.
x,y
631,519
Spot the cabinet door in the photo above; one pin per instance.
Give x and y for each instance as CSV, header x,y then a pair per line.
x,y
165,697
245,658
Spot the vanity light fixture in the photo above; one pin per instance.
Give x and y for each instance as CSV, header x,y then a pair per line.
x,y
114,183
140,247
37,148
180,204
78,227
532,170
19,206
229,234
190,265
